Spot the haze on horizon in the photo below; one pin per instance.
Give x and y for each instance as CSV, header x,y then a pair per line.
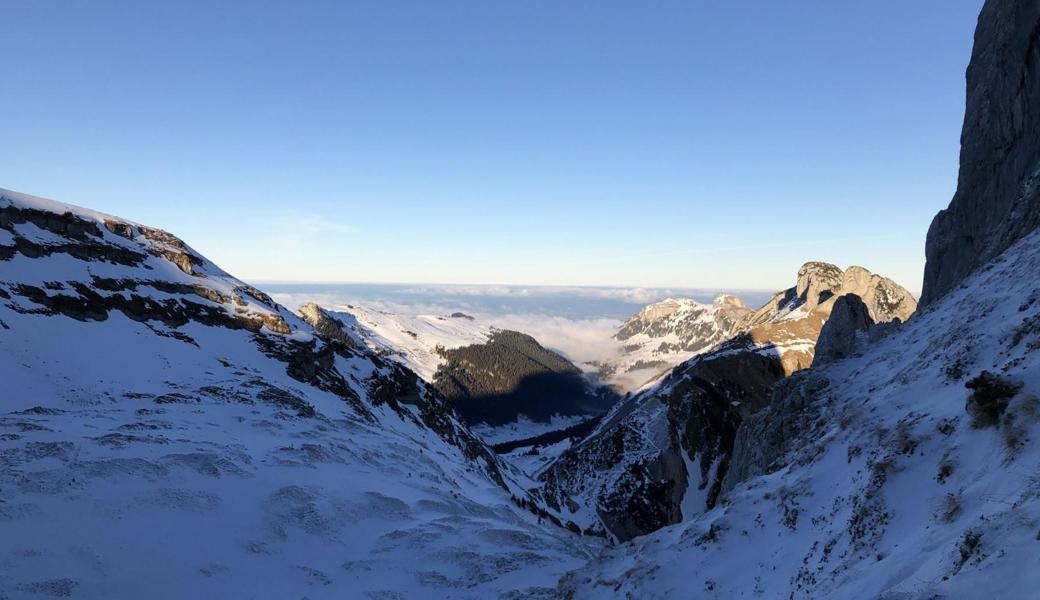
x,y
691,144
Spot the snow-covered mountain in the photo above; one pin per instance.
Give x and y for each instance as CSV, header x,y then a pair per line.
x,y
503,382
661,455
415,341
169,431
910,471
906,464
667,333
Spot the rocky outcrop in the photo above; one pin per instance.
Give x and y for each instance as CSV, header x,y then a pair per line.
x,y
791,321
670,448
817,282
662,452
667,333
695,326
998,190
325,325
842,333
765,437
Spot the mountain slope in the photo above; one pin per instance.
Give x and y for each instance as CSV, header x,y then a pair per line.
x,y
661,455
512,376
416,341
907,472
789,324
168,431
667,333
503,381
910,466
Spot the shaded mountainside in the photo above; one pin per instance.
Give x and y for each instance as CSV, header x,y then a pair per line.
x,y
661,455
490,376
512,375
998,190
148,395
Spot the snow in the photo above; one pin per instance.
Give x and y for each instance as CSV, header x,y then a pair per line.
x,y
524,428
135,464
412,340
859,508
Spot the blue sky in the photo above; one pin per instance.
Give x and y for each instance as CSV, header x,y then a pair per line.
x,y
694,143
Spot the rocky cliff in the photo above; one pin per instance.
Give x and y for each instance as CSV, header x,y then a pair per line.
x,y
662,455
998,190
791,321
667,333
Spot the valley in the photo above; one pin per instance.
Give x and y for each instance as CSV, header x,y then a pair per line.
x,y
168,430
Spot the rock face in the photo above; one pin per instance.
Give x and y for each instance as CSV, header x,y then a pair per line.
x,y
849,322
998,190
667,333
791,321
662,455
817,282
326,325
695,325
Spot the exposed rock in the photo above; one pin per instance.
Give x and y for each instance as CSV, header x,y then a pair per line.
x,y
766,437
667,333
998,190
817,282
885,299
172,249
326,326
636,469
792,320
842,333
120,228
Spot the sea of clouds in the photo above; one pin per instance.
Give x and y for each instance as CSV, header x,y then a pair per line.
x,y
578,322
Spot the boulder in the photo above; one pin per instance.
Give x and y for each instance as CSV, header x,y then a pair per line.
x,y
844,331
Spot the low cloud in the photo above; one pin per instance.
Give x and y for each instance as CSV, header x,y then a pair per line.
x,y
581,340
634,295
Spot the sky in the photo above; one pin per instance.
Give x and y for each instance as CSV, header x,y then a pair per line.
x,y
691,143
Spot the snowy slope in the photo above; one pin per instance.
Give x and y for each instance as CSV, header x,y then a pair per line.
x,y
412,340
667,333
167,431
504,384
868,478
662,454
